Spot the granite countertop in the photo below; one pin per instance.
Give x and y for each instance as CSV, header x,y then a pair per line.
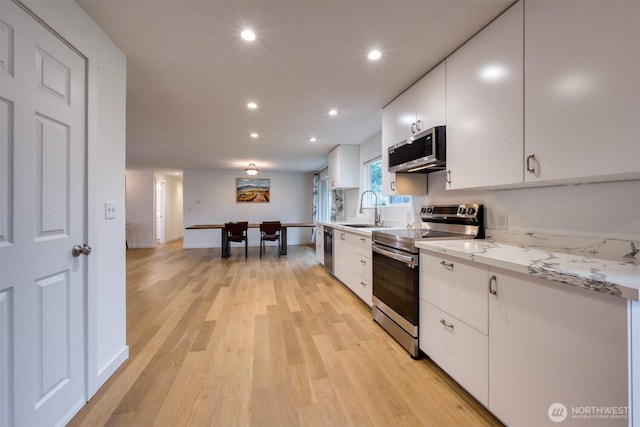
x,y
616,278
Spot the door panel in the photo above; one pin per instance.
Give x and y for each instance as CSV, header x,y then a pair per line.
x,y
6,48
53,75
6,150
43,216
53,180
52,334
5,357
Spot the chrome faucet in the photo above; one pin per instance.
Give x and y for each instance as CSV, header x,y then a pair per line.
x,y
376,215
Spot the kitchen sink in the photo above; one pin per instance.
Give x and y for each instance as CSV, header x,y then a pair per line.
x,y
363,225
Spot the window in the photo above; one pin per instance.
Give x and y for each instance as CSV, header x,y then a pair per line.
x,y
372,180
324,202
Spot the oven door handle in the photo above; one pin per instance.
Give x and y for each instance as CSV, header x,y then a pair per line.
x,y
407,259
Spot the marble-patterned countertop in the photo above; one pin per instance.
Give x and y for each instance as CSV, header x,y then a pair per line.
x,y
610,277
362,229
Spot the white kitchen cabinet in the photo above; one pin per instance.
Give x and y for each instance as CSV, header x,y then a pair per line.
x,y
582,90
341,255
388,138
320,243
484,106
352,263
552,343
422,106
457,348
395,184
456,286
453,320
344,167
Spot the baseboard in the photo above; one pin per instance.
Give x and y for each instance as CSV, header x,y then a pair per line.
x,y
143,246
251,245
71,413
199,246
107,370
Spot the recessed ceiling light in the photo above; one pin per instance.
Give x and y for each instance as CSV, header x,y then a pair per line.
x,y
248,35
254,135
312,139
332,112
252,105
374,55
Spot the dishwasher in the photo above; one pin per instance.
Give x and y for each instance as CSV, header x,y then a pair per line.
x,y
328,248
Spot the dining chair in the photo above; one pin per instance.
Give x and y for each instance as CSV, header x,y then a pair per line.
x,y
236,232
270,231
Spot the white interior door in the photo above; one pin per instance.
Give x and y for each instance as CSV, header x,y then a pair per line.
x,y
160,211
42,216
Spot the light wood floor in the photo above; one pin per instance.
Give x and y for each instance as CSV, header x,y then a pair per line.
x,y
271,341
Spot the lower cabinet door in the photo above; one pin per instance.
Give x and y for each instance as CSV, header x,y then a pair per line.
x,y
460,350
558,354
363,289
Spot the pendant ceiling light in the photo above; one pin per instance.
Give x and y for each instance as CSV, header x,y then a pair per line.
x,y
251,169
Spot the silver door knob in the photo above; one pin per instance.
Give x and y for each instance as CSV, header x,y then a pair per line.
x,y
78,250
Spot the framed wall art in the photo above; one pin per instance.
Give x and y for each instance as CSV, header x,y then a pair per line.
x,y
252,190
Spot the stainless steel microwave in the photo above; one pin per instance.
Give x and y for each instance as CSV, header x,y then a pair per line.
x,y
424,152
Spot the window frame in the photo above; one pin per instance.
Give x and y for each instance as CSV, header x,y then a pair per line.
x,y
368,200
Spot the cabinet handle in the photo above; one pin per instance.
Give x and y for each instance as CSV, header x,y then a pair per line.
x,y
363,262
363,240
413,128
364,285
448,177
446,325
446,264
393,186
419,125
341,236
530,168
493,285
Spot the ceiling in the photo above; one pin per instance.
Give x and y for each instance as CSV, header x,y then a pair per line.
x,y
190,75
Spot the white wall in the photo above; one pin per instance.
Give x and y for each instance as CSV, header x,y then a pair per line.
x,y
141,208
210,198
106,310
173,215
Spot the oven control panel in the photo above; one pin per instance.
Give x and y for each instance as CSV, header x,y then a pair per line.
x,y
468,211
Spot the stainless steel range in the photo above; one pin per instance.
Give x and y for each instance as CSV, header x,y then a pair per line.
x,y
396,262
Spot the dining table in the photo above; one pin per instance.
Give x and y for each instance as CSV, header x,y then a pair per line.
x,y
283,233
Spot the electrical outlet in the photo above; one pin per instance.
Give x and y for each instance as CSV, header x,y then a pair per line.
x,y
501,221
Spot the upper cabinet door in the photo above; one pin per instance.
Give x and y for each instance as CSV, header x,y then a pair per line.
x,y
344,167
484,113
582,90
388,139
405,118
422,106
431,101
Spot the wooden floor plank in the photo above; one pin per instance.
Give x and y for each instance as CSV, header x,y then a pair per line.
x,y
274,341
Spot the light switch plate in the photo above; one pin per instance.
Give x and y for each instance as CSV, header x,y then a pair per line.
x,y
110,210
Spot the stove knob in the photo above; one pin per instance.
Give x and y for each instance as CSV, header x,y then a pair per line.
x,y
461,210
471,211
429,210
